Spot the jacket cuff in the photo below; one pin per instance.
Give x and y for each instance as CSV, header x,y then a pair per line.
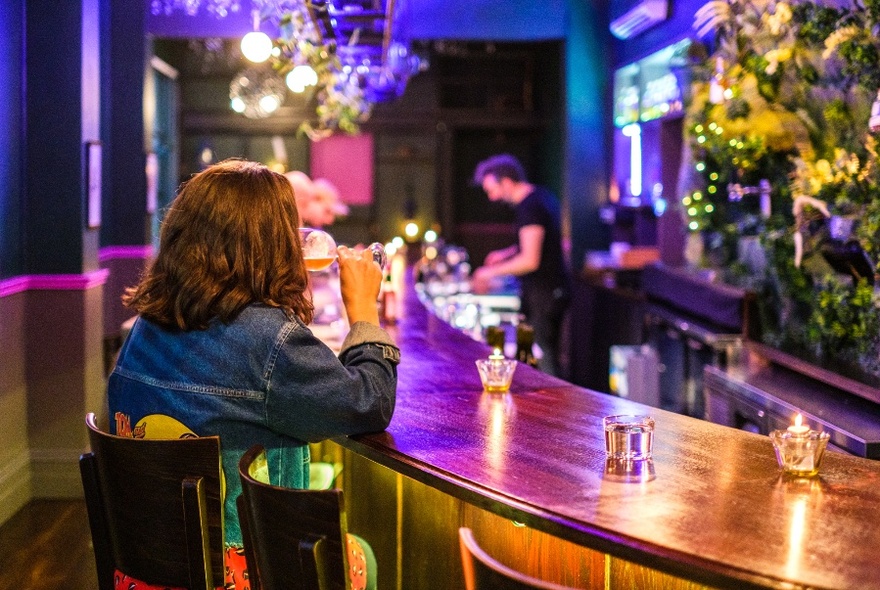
x,y
367,333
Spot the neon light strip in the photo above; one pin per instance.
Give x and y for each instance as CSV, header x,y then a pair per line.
x,y
70,282
118,252
634,132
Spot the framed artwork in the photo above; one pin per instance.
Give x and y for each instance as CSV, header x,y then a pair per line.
x,y
93,182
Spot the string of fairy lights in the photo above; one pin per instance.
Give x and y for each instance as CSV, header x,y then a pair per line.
x,y
719,161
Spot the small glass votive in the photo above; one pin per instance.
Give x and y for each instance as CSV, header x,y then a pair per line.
x,y
629,436
799,453
496,372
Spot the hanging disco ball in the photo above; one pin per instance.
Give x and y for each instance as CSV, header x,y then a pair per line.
x,y
256,92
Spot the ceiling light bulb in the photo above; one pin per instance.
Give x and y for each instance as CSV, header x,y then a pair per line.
x,y
256,46
300,77
269,104
237,105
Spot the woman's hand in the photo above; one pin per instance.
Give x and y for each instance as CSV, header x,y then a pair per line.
x,y
360,280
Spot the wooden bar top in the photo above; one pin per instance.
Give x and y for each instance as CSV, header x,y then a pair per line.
x,y
714,509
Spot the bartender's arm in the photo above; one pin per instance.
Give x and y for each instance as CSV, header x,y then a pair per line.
x,y
496,256
526,260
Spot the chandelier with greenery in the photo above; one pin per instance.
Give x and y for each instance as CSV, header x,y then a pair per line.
x,y
352,54
359,56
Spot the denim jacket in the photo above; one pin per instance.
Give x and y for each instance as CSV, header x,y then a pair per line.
x,y
261,378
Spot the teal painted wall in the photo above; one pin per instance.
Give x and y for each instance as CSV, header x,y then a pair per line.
x,y
588,100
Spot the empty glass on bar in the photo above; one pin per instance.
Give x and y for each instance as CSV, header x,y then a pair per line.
x,y
629,436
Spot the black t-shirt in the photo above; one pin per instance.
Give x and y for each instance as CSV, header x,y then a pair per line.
x,y
540,207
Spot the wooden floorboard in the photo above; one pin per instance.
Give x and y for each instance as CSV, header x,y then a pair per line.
x,y
47,546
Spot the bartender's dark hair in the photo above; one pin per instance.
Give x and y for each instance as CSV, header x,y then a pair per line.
x,y
228,240
500,166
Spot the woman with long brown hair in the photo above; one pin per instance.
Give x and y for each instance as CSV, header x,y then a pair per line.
x,y
222,346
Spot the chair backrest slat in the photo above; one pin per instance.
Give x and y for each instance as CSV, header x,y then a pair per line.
x,y
195,514
150,502
294,539
98,525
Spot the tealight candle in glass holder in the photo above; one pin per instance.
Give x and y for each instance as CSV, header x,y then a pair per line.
x,y
799,449
496,372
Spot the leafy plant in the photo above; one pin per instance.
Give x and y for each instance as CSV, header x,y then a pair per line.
x,y
845,319
792,86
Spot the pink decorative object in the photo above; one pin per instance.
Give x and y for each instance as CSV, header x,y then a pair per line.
x,y
347,162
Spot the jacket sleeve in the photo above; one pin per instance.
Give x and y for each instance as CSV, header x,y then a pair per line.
x,y
314,395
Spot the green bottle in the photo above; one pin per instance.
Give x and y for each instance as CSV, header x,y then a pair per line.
x,y
525,340
495,337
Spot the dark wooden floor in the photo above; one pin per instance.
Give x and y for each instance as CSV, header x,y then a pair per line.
x,y
47,546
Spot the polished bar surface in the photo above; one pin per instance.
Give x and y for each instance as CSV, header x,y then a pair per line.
x,y
717,511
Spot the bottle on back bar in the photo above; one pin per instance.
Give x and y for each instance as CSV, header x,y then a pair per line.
x,y
525,340
388,302
495,337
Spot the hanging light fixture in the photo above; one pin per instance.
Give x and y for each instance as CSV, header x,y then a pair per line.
x,y
256,45
300,77
256,93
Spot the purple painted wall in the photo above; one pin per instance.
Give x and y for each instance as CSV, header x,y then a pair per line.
x,y
510,20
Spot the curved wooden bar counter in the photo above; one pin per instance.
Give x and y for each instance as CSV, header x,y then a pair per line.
x,y
714,511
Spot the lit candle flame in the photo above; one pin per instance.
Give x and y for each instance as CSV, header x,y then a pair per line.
x,y
799,428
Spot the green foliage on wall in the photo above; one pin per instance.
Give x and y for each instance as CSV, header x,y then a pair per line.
x,y
786,96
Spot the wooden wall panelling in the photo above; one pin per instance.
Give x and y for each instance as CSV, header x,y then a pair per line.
x,y
413,530
626,575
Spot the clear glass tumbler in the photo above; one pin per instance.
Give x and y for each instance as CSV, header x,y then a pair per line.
x,y
629,436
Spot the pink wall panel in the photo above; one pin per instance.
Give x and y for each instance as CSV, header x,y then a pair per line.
x,y
347,162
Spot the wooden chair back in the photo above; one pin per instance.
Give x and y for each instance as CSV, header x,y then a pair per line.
x,y
293,539
155,508
482,572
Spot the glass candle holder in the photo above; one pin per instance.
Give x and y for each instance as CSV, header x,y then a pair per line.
x,y
496,372
629,436
799,453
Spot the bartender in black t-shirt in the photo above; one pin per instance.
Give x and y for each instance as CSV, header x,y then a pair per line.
x,y
536,259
